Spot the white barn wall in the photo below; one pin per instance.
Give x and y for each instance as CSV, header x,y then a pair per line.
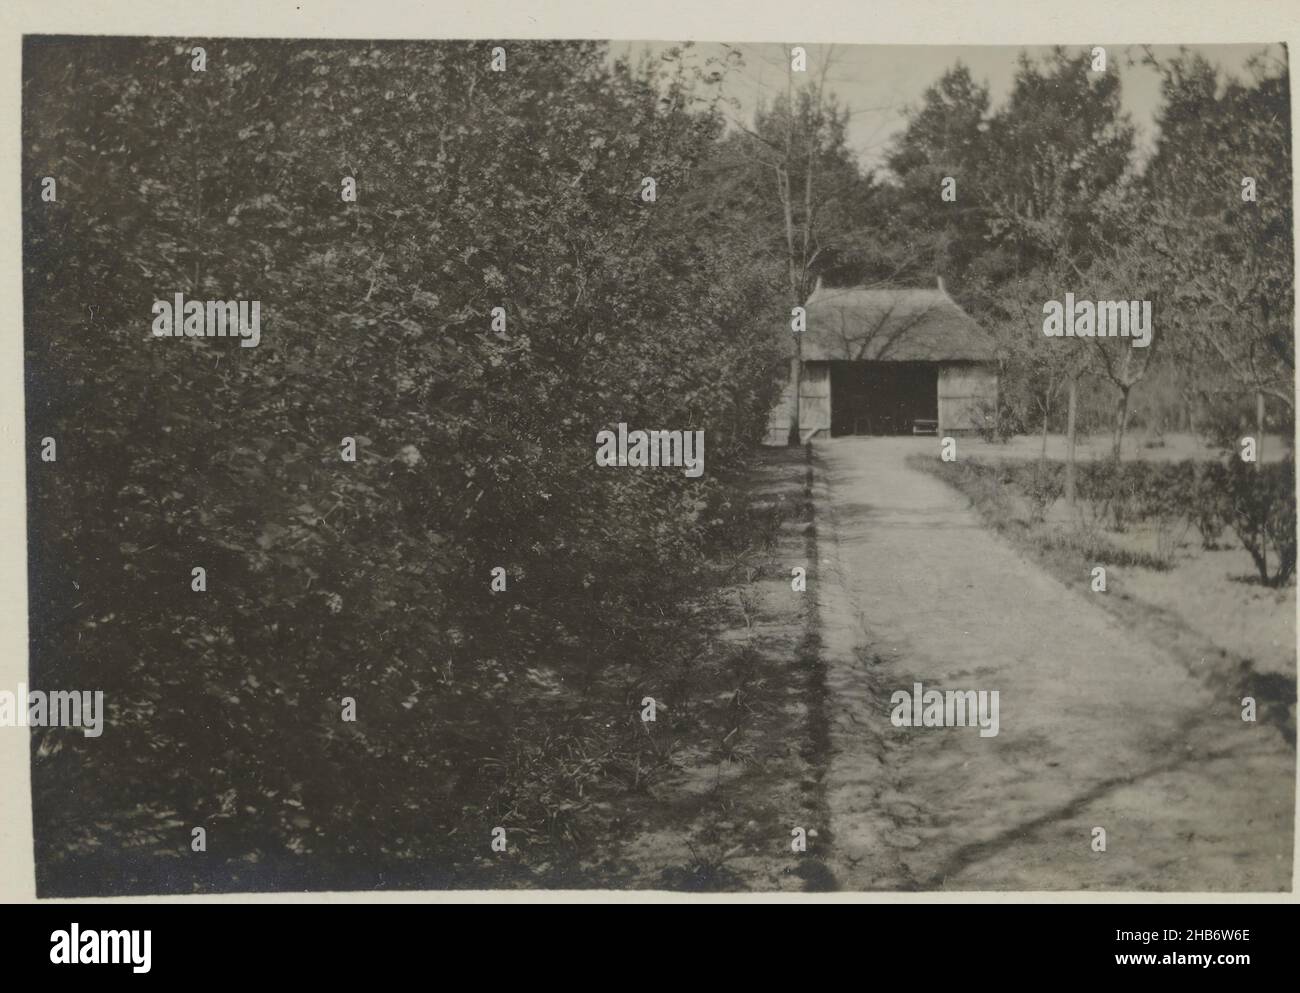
x,y
815,399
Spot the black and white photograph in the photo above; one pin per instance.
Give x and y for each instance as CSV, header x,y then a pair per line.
x,y
646,466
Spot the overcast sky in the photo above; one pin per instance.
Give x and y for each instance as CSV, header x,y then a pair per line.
x,y
878,81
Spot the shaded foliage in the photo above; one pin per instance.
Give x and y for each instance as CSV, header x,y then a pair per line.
x,y
327,579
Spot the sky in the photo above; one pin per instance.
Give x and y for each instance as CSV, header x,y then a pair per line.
x,y
878,82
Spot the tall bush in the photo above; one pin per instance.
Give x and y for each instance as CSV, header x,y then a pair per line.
x,y
476,189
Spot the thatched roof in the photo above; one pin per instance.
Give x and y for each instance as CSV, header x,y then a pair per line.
x,y
891,325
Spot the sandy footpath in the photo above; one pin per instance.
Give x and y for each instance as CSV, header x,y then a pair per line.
x,y
1098,727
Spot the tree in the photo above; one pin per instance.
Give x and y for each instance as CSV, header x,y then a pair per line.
x,y
923,234
1062,154
792,177
1218,191
1037,368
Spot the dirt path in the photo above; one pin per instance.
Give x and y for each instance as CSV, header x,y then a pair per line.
x,y
1098,727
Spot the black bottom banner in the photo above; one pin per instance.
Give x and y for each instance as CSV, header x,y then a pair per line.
x,y
213,942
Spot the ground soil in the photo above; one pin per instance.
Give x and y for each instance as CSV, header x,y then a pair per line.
x,y
747,762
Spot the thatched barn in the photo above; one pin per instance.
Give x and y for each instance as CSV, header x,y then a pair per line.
x,y
887,361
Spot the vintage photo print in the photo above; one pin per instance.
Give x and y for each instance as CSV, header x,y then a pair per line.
x,y
463,463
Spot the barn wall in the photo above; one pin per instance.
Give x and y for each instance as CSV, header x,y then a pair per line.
x,y
815,399
963,388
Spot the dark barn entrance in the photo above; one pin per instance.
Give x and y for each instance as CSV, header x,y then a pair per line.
x,y
882,397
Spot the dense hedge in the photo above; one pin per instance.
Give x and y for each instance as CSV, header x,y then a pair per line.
x,y
327,579
1256,501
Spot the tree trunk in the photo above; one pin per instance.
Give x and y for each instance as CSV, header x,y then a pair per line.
x,y
1259,431
796,376
1069,445
1259,468
1121,421
1042,453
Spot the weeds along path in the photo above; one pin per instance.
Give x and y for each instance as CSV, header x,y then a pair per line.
x,y
1098,727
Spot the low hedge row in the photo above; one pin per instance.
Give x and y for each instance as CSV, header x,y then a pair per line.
x,y
1256,501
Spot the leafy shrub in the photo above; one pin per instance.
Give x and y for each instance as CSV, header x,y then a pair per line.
x,y
368,579
990,489
1124,493
1211,504
1042,484
1100,485
996,421
1262,512
1258,503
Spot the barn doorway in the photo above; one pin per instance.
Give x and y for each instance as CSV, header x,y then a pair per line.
x,y
882,397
